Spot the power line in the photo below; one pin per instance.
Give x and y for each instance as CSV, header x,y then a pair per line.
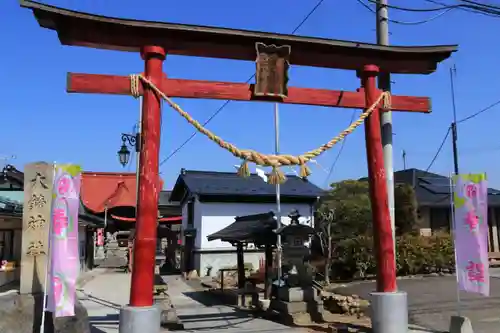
x,y
444,9
479,112
420,10
361,2
470,150
304,20
342,144
475,114
439,149
481,4
463,8
471,4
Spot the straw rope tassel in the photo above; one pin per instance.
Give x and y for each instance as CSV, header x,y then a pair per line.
x,y
243,171
275,161
276,176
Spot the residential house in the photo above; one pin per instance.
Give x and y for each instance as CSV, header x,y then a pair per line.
x,y
210,201
11,216
11,208
434,207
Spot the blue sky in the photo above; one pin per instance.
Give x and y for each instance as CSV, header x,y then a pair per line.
x,y
42,122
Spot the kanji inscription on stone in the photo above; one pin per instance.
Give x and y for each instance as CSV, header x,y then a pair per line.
x,y
38,188
39,181
35,222
36,248
37,200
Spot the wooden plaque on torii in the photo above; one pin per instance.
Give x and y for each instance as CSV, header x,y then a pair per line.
x,y
271,74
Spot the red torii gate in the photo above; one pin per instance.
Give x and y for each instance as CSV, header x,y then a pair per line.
x,y
155,40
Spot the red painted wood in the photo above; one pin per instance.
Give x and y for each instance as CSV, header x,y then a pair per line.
x,y
101,190
382,230
141,290
120,85
165,220
110,33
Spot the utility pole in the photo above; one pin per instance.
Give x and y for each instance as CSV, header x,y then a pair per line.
x,y
404,159
279,253
454,133
384,83
389,309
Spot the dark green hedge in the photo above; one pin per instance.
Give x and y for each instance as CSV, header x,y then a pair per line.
x,y
354,257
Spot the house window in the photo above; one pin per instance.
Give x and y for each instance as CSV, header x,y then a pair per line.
x,y
6,244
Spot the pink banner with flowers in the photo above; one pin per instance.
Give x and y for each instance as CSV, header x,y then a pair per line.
x,y
471,232
64,255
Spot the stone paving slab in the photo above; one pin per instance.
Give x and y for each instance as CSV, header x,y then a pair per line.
x,y
104,295
108,291
199,312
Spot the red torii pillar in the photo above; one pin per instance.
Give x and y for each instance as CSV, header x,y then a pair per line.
x,y
382,229
143,261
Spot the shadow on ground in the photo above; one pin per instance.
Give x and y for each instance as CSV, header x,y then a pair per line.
x,y
214,321
229,315
235,317
341,327
206,298
167,269
103,302
99,323
94,329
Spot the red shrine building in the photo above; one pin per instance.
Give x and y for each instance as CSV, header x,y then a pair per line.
x,y
112,197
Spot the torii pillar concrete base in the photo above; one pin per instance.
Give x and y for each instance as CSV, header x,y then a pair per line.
x,y
460,324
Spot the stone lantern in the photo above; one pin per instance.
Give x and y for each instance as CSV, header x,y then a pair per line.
x,y
295,236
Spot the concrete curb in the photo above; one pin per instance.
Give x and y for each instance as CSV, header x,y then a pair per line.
x,y
343,284
86,277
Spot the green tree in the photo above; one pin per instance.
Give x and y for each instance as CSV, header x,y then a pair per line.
x,y
405,209
350,202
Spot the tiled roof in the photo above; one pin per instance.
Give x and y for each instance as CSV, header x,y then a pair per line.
x,y
8,206
11,178
432,189
211,183
164,199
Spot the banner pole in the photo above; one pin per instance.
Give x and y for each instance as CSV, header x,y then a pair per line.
x,y
49,262
453,224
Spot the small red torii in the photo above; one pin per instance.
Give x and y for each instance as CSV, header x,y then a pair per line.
x,y
155,40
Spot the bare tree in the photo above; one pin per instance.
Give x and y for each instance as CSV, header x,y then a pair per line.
x,y
326,220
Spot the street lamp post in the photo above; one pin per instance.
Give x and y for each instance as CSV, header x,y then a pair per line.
x,y
133,141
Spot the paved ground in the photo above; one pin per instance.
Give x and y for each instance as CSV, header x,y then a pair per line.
x,y
432,301
106,293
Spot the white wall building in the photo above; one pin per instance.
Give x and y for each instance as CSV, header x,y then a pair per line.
x,y
210,201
